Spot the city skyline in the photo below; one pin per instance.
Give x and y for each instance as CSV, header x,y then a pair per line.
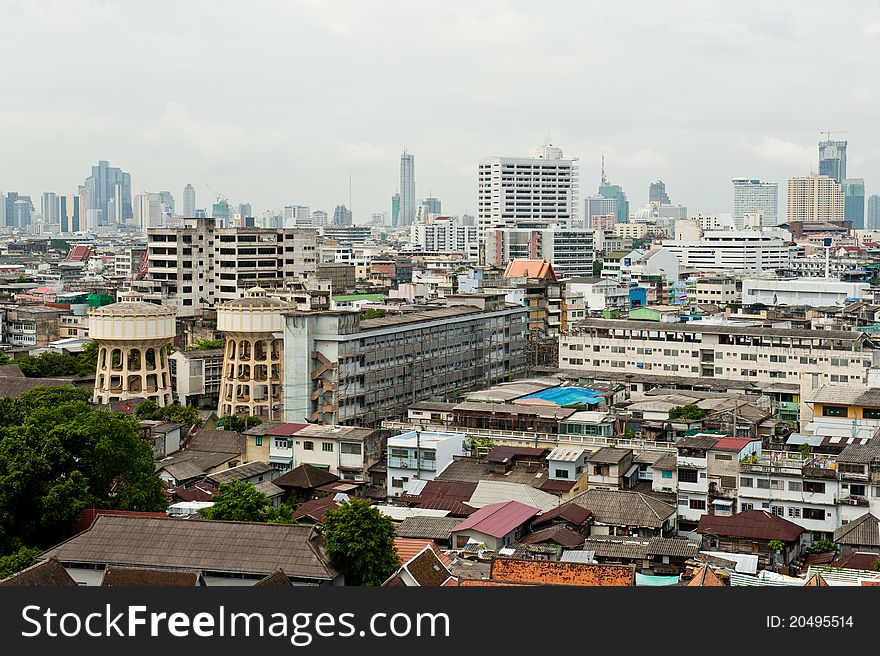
x,y
183,134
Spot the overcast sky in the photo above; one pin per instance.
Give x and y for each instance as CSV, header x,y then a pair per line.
x,y
276,101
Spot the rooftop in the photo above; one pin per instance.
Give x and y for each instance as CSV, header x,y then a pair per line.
x,y
750,524
498,519
625,508
547,572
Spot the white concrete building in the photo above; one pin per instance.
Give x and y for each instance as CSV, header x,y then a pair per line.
x,y
752,196
813,292
815,198
600,294
719,290
445,234
420,456
569,251
742,252
539,191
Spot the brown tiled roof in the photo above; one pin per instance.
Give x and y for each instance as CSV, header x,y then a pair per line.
x,y
547,572
704,577
276,579
429,528
428,569
503,454
144,577
750,524
216,441
220,546
557,487
609,455
456,490
305,477
13,386
48,573
315,509
860,560
569,512
474,583
863,531
247,470
455,508
560,535
89,514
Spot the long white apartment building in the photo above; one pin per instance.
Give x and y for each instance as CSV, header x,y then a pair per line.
x,y
445,234
196,265
736,251
724,351
751,196
570,252
813,292
815,198
536,191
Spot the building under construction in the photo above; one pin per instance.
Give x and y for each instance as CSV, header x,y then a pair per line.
x,y
340,369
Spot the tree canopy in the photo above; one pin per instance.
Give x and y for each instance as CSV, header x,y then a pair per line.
x,y
689,411
58,456
206,345
179,414
237,424
360,540
52,364
243,502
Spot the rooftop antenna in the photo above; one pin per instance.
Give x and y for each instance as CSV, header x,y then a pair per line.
x,y
604,179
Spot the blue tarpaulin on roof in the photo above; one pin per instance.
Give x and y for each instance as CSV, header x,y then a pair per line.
x,y
566,396
646,579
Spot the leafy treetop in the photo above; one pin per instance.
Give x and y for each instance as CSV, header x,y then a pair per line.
x,y
360,540
243,502
689,411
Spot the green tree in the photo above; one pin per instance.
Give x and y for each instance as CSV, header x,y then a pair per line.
x,y
372,314
805,450
822,545
17,561
689,411
207,344
474,444
58,456
59,245
49,365
597,267
5,359
243,502
360,540
179,414
88,358
148,409
237,424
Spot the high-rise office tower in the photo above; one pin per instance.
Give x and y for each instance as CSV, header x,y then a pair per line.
x,y
432,205
148,211
872,222
527,192
2,209
832,159
342,215
407,189
319,218
222,212
189,201
597,206
109,183
49,208
751,196
68,213
167,201
395,209
657,194
608,190
815,198
854,202
18,210
245,209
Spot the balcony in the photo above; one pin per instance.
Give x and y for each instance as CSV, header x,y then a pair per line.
x,y
851,500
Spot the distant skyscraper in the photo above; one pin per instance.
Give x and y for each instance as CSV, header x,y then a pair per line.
x,y
18,210
432,205
873,219
815,198
751,196
319,218
148,211
110,184
854,202
189,201
395,209
245,209
527,192
68,213
2,209
342,215
657,194
222,212
167,209
598,206
407,189
609,190
832,159
49,208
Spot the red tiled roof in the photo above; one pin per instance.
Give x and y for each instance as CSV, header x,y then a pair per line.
x,y
859,560
751,524
736,444
408,548
523,268
560,535
550,572
557,487
570,512
498,519
286,430
79,253
89,514
315,509
705,577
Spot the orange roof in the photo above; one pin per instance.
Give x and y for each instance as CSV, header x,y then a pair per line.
x,y
522,268
548,572
704,577
408,548
473,583
816,581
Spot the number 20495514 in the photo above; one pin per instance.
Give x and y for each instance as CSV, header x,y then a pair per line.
x,y
810,622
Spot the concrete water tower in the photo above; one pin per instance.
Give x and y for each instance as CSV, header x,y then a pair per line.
x,y
133,339
252,376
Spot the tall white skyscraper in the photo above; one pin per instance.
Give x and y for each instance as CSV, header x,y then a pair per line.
x,y
815,198
872,220
49,208
189,201
148,211
407,189
527,192
753,196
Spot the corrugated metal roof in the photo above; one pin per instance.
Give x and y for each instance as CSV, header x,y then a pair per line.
x,y
864,531
491,492
751,524
498,519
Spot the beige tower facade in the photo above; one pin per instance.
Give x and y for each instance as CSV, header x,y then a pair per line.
x,y
133,339
815,198
252,376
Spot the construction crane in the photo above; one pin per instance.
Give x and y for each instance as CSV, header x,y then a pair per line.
x,y
828,133
216,195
